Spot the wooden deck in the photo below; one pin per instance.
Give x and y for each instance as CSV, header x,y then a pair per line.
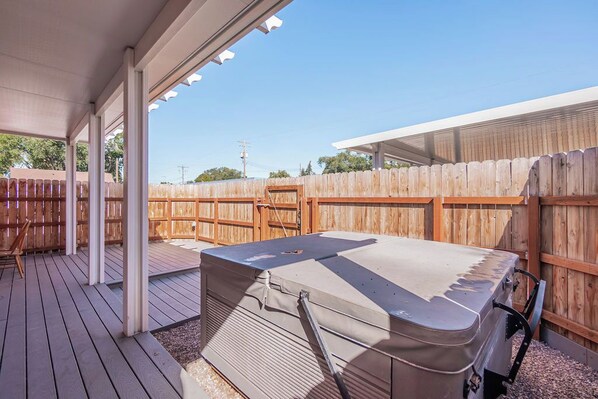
x,y
172,299
60,337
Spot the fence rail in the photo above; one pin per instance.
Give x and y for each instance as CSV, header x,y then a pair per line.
x,y
543,209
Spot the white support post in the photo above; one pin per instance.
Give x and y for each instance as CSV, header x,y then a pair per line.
x,y
378,156
96,198
135,222
71,198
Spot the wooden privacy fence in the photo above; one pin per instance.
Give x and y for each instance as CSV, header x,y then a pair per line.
x,y
544,209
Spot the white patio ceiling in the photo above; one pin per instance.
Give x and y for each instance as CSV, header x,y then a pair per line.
x,y
411,143
57,57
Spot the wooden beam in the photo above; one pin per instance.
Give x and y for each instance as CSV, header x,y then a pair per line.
x,y
577,200
570,325
572,264
516,200
375,200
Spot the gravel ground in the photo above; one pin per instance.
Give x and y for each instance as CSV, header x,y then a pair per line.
x,y
182,343
545,373
548,373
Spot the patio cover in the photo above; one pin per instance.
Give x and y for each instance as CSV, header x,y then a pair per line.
x,y
547,125
76,70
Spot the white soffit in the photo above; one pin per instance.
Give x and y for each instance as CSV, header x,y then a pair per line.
x,y
57,57
563,100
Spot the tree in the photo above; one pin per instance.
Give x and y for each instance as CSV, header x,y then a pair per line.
x,y
222,173
395,164
345,161
114,153
37,153
279,173
11,152
307,171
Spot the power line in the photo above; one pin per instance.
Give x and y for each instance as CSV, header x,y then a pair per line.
x,y
183,168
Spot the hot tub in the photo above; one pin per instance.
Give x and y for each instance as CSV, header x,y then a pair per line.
x,y
395,317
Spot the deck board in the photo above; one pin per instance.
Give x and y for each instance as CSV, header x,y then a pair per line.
x,y
172,299
60,337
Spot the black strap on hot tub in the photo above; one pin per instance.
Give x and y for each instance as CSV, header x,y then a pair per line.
x,y
494,383
313,322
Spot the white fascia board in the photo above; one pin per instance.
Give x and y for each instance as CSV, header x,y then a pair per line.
x,y
507,111
249,19
111,92
75,134
171,19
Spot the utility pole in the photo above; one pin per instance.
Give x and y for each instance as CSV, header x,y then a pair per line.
x,y
182,168
244,144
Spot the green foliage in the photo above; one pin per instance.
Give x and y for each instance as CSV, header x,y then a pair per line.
x,y
37,153
395,164
114,153
279,173
11,152
222,173
307,171
345,161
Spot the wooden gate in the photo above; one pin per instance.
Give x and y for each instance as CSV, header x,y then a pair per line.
x,y
283,212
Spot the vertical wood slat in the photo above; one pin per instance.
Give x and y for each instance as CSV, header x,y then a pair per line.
x,y
12,209
575,243
437,211
4,204
169,219
315,215
216,229
196,220
533,251
256,220
559,237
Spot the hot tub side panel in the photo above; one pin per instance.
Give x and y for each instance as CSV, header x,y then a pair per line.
x,y
253,348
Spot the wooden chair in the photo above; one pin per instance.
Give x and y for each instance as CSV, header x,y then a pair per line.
x,y
16,250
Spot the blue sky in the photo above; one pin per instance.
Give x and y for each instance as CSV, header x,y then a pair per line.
x,y
340,69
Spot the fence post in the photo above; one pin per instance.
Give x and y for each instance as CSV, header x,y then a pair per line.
x,y
533,240
215,221
315,215
303,220
264,219
169,218
437,218
533,243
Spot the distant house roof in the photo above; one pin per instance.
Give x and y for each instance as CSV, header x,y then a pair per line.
x,y
43,174
559,123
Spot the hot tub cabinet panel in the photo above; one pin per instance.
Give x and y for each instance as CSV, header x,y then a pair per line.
x,y
402,318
